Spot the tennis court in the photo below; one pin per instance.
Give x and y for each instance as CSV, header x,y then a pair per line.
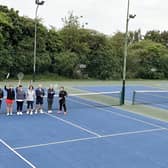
x,y
137,94
90,136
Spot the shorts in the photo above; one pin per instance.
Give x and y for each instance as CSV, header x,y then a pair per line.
x,y
9,101
39,101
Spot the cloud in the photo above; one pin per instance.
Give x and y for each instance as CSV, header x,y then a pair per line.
x,y
107,16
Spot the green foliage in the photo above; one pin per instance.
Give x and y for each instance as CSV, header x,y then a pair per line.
x,y
65,64
61,52
117,45
71,21
146,60
157,36
4,19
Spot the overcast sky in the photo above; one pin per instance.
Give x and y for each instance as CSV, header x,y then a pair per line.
x,y
106,16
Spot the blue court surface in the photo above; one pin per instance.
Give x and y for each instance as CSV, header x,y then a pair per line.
x,y
88,137
161,99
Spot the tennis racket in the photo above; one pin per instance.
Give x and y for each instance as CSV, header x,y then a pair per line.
x,y
20,76
7,77
31,82
56,86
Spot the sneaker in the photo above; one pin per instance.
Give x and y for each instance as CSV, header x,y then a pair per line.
x,y
7,114
65,113
41,111
49,111
21,113
59,112
35,112
31,112
18,113
10,113
27,112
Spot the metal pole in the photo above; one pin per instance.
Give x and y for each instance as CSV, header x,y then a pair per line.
x,y
35,44
125,56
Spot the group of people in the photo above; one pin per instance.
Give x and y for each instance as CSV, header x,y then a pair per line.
x,y
32,95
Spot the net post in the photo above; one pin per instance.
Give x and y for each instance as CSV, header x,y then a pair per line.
x,y
123,93
121,102
133,97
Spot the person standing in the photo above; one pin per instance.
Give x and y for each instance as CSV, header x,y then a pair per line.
x,y
1,97
30,95
62,100
39,99
20,98
9,99
50,98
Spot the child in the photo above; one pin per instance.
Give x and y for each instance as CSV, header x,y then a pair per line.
x,y
1,97
20,97
39,99
10,99
50,97
30,99
62,100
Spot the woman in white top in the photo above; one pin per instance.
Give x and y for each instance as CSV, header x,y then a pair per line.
x,y
30,99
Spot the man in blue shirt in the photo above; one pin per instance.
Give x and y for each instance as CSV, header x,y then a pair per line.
x,y
39,99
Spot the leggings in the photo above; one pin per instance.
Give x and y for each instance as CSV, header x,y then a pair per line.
x,y
62,104
0,103
19,106
50,103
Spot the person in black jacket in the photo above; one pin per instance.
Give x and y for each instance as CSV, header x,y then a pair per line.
x,y
39,99
10,99
1,96
62,100
50,98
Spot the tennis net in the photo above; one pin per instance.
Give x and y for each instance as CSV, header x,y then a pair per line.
x,y
150,97
97,98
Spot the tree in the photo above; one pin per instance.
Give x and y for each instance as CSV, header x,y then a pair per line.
x,y
65,64
63,51
146,59
157,36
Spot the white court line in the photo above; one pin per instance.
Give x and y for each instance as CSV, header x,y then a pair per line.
x,y
118,114
90,138
74,125
16,153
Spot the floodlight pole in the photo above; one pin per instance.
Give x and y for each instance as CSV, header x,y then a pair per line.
x,y
125,53
37,2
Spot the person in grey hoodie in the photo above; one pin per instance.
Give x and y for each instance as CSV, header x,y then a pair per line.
x,y
20,97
